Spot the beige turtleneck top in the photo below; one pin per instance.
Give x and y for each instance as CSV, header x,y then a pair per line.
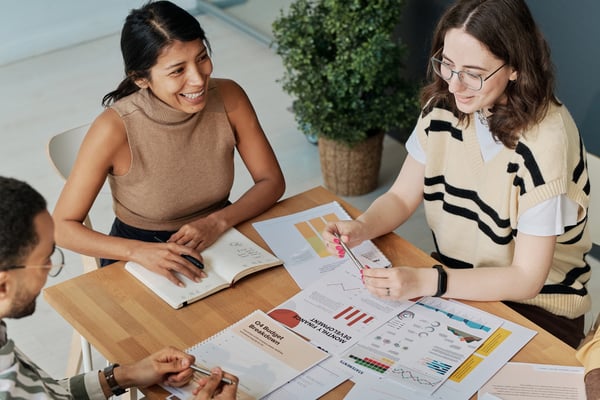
x,y
181,164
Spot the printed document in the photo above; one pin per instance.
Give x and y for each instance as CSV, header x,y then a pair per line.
x,y
296,240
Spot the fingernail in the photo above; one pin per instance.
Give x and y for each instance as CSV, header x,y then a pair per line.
x,y
339,248
336,241
367,267
341,254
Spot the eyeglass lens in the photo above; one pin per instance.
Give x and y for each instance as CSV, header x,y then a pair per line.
x,y
471,81
57,261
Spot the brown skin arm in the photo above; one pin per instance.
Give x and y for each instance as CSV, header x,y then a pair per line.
x,y
258,157
105,150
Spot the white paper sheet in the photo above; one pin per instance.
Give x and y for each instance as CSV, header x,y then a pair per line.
x,y
296,239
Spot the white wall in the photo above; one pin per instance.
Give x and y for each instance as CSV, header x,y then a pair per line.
x,y
32,27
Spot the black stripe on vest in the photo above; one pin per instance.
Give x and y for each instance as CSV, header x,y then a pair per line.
x,y
562,289
580,167
574,274
530,164
453,262
467,213
437,125
580,226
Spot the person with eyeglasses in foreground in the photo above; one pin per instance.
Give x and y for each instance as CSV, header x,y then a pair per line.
x,y
499,165
27,256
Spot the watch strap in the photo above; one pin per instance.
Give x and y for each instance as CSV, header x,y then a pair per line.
x,y
109,374
442,285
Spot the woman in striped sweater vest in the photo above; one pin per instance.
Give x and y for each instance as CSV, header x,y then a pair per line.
x,y
500,167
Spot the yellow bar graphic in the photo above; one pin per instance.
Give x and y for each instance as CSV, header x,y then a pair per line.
x,y
330,217
313,239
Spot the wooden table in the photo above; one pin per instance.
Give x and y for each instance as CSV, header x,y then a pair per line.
x,y
125,321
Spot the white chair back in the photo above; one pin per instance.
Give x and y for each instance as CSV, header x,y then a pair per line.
x,y
63,149
62,152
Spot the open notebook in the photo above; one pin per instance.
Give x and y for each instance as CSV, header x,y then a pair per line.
x,y
232,257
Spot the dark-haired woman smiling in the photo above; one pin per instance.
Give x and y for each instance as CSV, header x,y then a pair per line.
x,y
166,142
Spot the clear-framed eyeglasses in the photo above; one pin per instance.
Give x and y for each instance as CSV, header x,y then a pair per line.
x,y
469,79
55,264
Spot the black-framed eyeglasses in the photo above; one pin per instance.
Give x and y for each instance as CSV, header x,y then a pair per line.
x,y
469,79
55,264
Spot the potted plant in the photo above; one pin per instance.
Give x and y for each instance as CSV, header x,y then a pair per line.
x,y
343,66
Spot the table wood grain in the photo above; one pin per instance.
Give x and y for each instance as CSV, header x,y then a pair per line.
x,y
125,321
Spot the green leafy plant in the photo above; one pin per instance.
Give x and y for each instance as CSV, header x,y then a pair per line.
x,y
343,66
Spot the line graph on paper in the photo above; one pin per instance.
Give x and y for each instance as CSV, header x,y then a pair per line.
x,y
346,281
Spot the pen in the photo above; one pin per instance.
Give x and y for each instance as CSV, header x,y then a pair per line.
x,y
205,371
191,259
350,253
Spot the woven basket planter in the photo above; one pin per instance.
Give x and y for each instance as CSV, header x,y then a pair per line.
x,y
351,171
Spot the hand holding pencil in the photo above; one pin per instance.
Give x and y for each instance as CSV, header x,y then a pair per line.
x,y
217,385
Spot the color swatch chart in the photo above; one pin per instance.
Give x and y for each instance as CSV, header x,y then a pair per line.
x,y
371,363
311,232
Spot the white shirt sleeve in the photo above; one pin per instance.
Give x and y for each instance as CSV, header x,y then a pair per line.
x,y
550,217
413,147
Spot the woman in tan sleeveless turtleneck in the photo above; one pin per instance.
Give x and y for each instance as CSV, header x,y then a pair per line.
x,y
166,144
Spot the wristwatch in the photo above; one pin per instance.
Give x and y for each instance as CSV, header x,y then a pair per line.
x,y
109,374
442,281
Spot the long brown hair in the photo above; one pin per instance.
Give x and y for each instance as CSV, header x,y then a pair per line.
x,y
507,29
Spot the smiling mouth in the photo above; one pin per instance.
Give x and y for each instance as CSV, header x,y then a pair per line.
x,y
193,96
463,99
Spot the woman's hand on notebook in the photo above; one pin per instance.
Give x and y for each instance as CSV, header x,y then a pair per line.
x,y
166,259
201,233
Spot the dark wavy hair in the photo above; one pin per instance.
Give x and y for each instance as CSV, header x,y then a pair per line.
x,y
146,32
508,30
19,205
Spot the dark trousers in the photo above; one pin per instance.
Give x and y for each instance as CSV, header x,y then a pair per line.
x,y
121,229
568,330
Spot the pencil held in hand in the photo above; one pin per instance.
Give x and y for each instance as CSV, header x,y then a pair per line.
x,y
191,259
205,371
350,253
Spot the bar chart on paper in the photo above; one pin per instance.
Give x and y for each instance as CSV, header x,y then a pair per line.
x,y
296,239
336,310
354,315
311,232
